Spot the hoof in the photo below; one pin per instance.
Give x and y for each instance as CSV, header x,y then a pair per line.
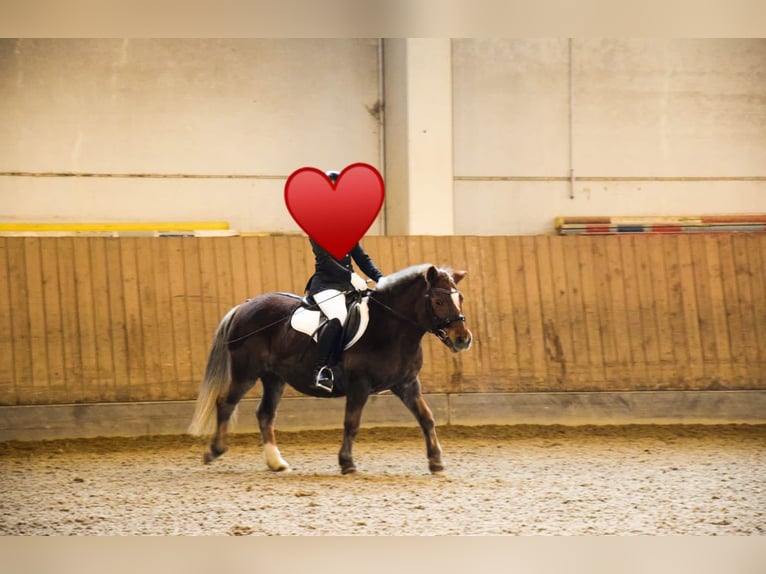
x,y
437,469
211,455
348,470
274,460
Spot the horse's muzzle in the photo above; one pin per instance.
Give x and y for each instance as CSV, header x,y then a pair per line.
x,y
463,342
456,342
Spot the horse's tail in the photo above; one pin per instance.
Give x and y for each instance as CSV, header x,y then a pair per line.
x,y
216,381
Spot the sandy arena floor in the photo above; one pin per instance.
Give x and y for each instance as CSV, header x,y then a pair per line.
x,y
499,480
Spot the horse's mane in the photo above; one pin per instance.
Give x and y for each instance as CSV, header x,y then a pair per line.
x,y
398,278
404,276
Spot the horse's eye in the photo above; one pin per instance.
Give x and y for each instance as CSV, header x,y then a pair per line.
x,y
439,303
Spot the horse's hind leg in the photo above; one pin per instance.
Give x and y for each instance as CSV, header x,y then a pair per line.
x,y
355,401
226,405
273,387
412,398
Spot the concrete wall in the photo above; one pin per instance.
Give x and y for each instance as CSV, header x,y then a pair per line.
x,y
229,120
653,127
656,126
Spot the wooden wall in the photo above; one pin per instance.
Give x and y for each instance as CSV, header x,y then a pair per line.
x,y
130,319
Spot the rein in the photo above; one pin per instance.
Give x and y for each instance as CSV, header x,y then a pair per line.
x,y
437,328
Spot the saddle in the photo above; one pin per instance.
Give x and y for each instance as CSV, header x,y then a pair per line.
x,y
308,319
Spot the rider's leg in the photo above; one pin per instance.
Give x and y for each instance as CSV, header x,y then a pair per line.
x,y
326,347
333,304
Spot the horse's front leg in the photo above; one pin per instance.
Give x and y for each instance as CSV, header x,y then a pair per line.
x,y
355,401
411,396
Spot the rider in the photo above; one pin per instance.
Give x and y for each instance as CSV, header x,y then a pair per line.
x,y
331,278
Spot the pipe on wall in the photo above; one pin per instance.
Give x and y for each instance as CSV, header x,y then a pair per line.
x,y
571,124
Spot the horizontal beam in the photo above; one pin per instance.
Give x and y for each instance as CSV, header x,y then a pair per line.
x,y
79,227
610,178
44,422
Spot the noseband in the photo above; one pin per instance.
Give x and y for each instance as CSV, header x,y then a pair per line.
x,y
438,325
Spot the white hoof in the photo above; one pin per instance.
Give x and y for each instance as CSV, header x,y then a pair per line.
x,y
274,459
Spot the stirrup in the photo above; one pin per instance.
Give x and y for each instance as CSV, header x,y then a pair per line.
x,y
321,379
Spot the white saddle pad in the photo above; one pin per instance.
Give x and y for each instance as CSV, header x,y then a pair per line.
x,y
307,321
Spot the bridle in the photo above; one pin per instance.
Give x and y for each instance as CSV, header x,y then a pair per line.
x,y
438,325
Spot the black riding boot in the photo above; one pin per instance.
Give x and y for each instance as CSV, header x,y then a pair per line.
x,y
327,346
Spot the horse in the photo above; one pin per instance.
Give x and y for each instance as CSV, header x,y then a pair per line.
x,y
254,340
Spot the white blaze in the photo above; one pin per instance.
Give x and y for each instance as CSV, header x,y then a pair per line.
x,y
456,300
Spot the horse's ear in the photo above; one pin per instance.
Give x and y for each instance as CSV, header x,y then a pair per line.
x,y
458,276
432,274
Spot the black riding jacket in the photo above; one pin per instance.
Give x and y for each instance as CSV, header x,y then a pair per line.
x,y
331,273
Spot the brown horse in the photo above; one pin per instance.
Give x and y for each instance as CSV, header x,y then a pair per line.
x,y
255,341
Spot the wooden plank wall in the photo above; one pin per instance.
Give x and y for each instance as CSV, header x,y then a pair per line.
x,y
130,319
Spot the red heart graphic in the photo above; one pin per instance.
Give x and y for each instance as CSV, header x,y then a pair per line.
x,y
335,216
